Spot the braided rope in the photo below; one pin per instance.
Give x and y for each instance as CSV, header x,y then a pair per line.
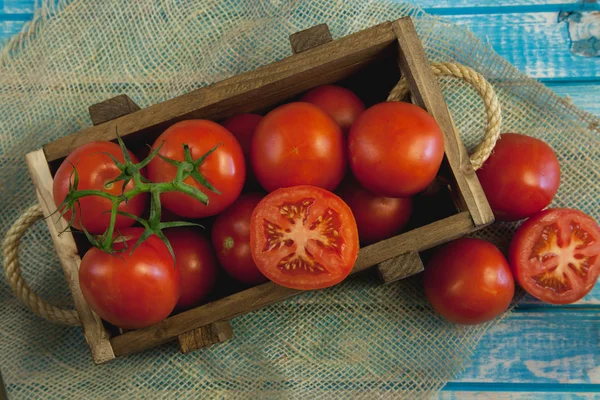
x,y
34,213
12,270
492,105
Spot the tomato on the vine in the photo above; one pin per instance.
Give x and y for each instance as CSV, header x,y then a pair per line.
x,y
555,255
377,217
224,168
231,240
197,265
304,237
395,149
520,177
298,144
339,103
468,281
131,290
95,170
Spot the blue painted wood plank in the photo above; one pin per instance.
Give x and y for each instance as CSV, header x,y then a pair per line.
x,y
542,347
585,95
480,391
536,43
17,6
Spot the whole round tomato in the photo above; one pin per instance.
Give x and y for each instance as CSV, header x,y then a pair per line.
x,y
131,290
303,237
231,240
243,126
197,265
224,168
395,149
468,281
520,178
338,102
555,255
95,168
298,144
377,217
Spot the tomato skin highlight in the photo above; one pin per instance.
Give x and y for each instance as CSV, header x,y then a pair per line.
x,y
377,217
298,144
131,291
231,240
94,170
304,237
195,259
395,149
224,168
468,281
546,236
520,178
339,103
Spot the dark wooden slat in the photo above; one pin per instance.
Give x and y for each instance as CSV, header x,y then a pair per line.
x,y
426,93
252,299
205,336
400,267
268,85
310,38
112,108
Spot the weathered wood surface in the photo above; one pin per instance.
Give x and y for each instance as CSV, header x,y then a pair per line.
x,y
95,334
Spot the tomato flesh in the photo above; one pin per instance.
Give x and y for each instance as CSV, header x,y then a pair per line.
x,y
304,237
555,255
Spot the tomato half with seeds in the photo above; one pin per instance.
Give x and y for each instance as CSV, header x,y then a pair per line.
x,y
555,255
304,237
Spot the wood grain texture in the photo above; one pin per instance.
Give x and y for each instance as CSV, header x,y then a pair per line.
x,y
310,38
585,95
536,43
519,392
205,336
539,346
427,94
268,85
112,108
400,267
95,334
268,293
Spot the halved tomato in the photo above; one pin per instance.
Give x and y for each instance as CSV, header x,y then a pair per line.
x,y
554,255
303,237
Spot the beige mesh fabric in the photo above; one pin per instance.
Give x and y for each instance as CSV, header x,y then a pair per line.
x,y
356,340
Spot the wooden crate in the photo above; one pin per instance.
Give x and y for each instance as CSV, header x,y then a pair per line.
x,y
370,62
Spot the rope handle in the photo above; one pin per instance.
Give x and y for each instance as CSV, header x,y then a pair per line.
x,y
12,240
34,213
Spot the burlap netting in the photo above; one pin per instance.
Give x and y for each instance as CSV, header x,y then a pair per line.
x,y
358,339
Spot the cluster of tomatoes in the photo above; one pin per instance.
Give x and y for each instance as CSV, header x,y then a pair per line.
x,y
292,194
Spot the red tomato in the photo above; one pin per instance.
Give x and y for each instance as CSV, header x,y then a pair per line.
x,y
298,144
520,178
197,265
231,240
243,126
224,168
555,255
303,237
339,103
468,281
131,290
95,169
395,149
377,217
